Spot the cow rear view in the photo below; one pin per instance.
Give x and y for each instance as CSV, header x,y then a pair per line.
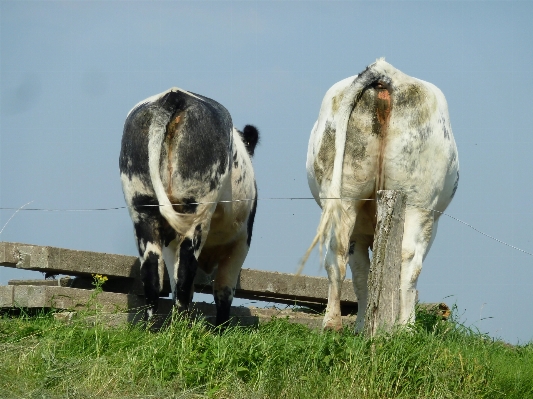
x,y
182,166
379,130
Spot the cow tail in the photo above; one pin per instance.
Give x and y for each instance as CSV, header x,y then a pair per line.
x,y
180,222
332,209
332,206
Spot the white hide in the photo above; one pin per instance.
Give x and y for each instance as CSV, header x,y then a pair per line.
x,y
419,158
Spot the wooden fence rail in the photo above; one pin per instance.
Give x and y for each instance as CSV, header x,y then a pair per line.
x,y
123,273
124,294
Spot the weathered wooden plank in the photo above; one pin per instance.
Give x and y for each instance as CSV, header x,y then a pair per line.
x,y
67,261
253,284
383,307
62,282
30,296
291,287
6,296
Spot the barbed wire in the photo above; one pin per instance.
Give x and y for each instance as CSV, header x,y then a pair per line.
x,y
23,208
476,230
13,215
180,204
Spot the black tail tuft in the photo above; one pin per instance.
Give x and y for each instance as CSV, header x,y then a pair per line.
x,y
250,136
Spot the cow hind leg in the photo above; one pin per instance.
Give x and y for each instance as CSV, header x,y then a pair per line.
x,y
337,247
152,266
186,272
229,267
359,261
417,236
185,264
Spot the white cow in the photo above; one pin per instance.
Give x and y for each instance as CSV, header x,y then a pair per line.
x,y
379,130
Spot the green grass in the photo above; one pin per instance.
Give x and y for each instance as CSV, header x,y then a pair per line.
x,y
44,358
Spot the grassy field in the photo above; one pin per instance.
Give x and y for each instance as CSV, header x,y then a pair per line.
x,y
44,358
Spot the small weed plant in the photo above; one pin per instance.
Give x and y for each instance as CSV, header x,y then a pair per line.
x,y
44,358
99,281
92,304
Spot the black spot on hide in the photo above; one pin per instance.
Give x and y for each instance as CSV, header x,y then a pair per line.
x,y
197,237
133,158
324,160
445,129
251,218
206,139
424,133
186,205
145,205
455,185
150,225
144,234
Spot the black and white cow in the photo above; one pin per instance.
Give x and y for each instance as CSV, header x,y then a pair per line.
x,y
379,130
182,166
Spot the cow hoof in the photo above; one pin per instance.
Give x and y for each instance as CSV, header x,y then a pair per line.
x,y
333,325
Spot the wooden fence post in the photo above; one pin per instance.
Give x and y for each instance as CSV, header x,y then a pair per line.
x,y
383,308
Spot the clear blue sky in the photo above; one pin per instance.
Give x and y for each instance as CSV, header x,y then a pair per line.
x,y
71,71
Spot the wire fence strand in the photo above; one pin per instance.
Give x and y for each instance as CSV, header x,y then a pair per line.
x,y
182,204
23,208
